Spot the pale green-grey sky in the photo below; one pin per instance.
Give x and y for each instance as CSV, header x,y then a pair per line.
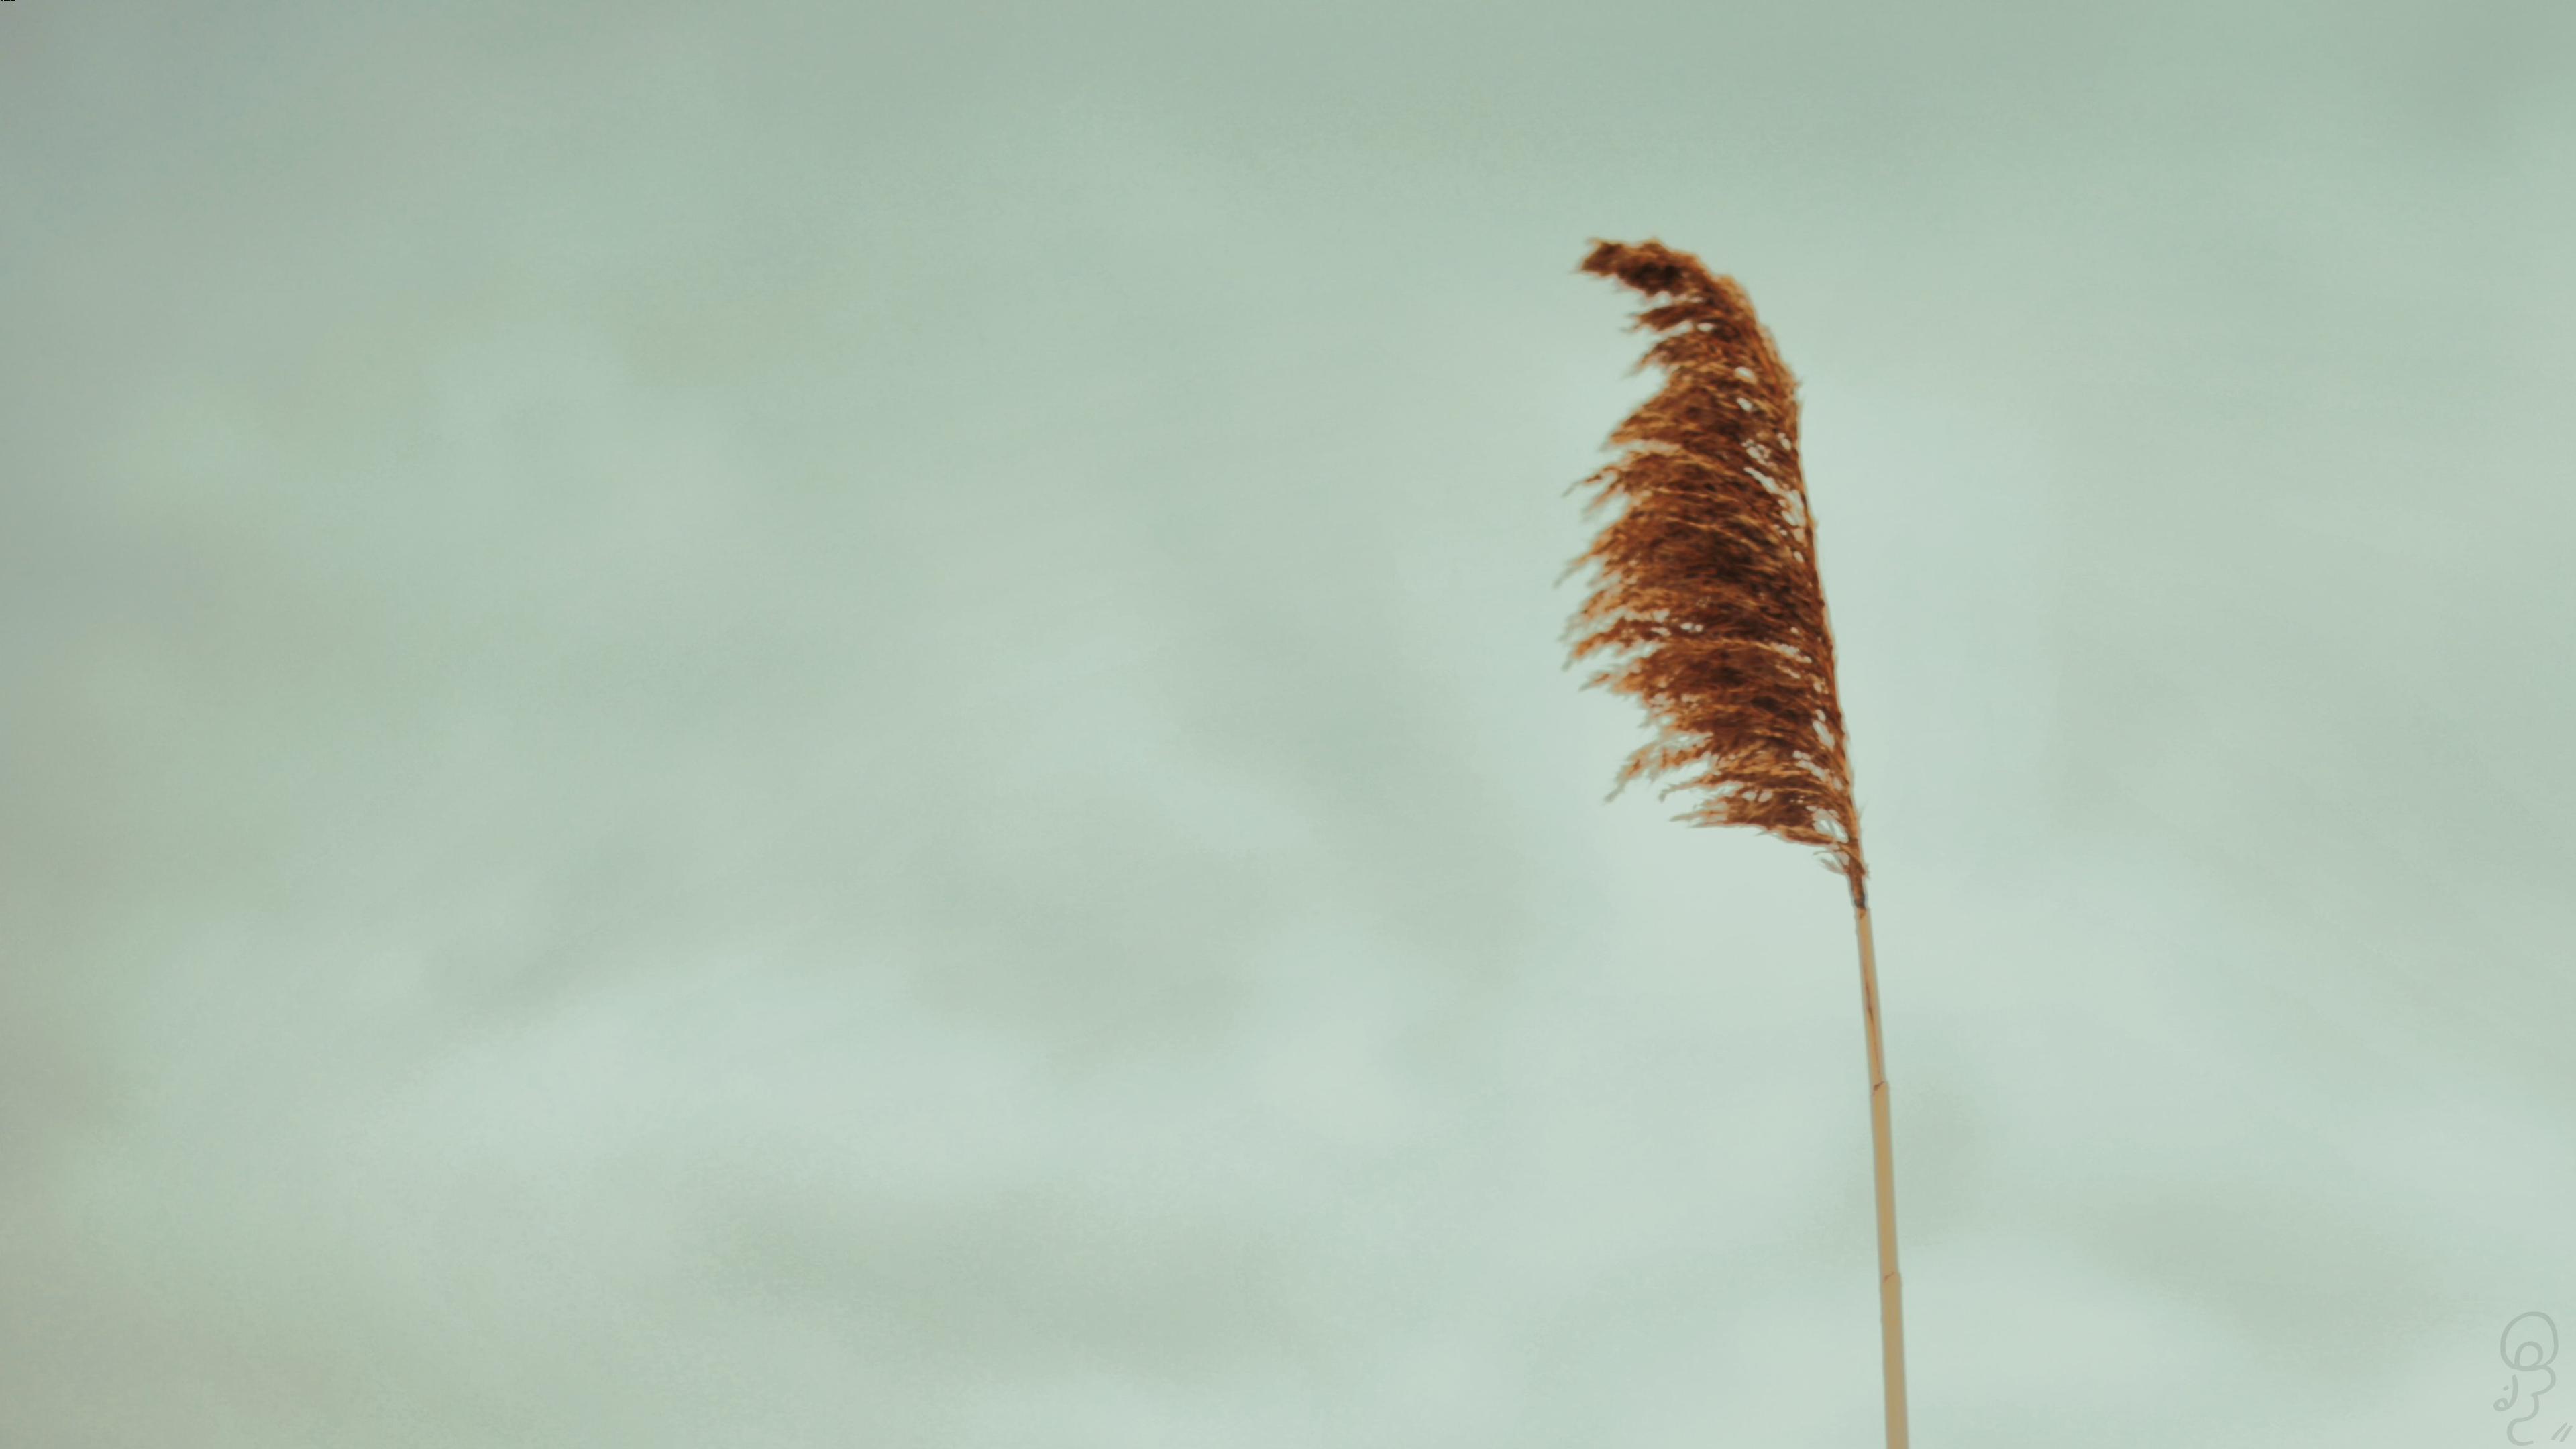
x,y
760,725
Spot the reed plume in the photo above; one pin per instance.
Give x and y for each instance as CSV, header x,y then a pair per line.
x,y
1708,610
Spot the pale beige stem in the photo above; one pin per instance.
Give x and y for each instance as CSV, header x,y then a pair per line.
x,y
1891,1291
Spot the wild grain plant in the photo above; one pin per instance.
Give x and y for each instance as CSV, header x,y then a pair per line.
x,y
1708,610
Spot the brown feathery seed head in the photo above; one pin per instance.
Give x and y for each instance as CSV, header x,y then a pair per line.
x,y
1707,607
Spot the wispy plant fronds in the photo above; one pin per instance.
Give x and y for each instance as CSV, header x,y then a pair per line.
x,y
1707,607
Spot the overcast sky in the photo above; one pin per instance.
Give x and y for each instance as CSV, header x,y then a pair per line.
x,y
741,726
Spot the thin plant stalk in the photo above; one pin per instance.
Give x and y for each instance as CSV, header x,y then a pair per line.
x,y
1882,1138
